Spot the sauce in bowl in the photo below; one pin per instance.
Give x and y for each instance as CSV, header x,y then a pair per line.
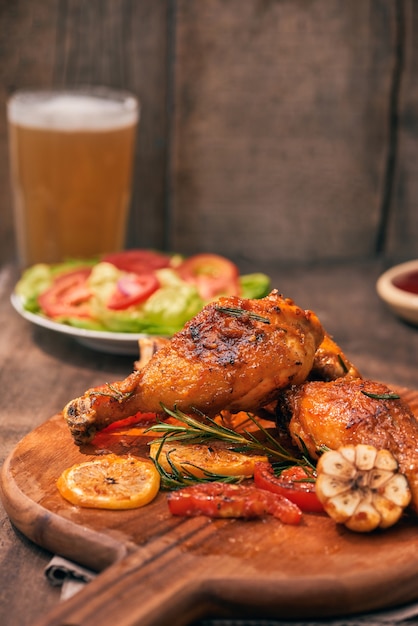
x,y
407,282
398,288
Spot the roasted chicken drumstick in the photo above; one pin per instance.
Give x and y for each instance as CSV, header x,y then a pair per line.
x,y
235,355
344,411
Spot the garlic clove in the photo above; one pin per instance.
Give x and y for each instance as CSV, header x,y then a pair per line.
x,y
378,477
334,464
330,486
349,453
342,506
397,490
365,518
365,457
389,511
386,461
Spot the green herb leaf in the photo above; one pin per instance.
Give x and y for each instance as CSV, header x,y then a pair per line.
x,y
205,429
112,393
237,312
178,479
381,396
342,363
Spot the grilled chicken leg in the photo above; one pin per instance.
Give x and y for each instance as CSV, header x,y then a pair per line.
x,y
342,412
235,355
329,363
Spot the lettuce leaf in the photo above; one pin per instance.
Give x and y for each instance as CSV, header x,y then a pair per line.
x,y
255,285
164,313
39,277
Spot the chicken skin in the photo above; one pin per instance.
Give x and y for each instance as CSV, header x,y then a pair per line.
x,y
342,412
330,362
235,355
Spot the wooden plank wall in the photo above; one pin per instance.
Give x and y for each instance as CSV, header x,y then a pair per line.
x,y
402,238
120,43
272,131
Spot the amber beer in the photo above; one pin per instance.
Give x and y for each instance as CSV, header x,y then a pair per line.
x,y
71,164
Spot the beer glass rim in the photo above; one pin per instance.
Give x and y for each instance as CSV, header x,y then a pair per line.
x,y
54,107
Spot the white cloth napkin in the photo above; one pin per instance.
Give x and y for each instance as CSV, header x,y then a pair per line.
x,y
70,576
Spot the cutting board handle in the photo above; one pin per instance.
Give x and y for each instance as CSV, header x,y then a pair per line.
x,y
166,590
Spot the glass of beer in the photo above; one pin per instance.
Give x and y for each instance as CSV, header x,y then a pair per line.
x,y
71,155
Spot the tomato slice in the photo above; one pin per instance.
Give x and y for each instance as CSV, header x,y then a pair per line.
x,y
138,261
225,500
293,483
68,295
213,275
132,289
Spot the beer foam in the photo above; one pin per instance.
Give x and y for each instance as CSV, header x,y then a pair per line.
x,y
71,111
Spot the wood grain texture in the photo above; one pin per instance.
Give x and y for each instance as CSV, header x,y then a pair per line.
x,y
131,44
281,127
71,42
41,370
27,43
187,568
38,371
279,130
403,218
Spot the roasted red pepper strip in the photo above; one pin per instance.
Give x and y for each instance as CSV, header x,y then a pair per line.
x,y
293,483
219,499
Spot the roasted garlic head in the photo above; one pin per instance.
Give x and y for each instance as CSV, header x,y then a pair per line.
x,y
360,486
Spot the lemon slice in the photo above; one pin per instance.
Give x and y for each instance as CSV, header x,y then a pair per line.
x,y
218,457
110,482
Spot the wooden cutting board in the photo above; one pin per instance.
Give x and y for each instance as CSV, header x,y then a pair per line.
x,y
158,569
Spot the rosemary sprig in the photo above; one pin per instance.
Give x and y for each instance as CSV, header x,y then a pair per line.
x,y
381,396
112,393
177,479
342,363
308,465
196,431
204,430
310,469
237,312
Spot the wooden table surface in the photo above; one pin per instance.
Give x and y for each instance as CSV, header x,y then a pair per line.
x,y
41,371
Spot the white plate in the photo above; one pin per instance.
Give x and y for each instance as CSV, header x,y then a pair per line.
x,y
101,340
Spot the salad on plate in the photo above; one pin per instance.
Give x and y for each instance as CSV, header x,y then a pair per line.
x,y
133,291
